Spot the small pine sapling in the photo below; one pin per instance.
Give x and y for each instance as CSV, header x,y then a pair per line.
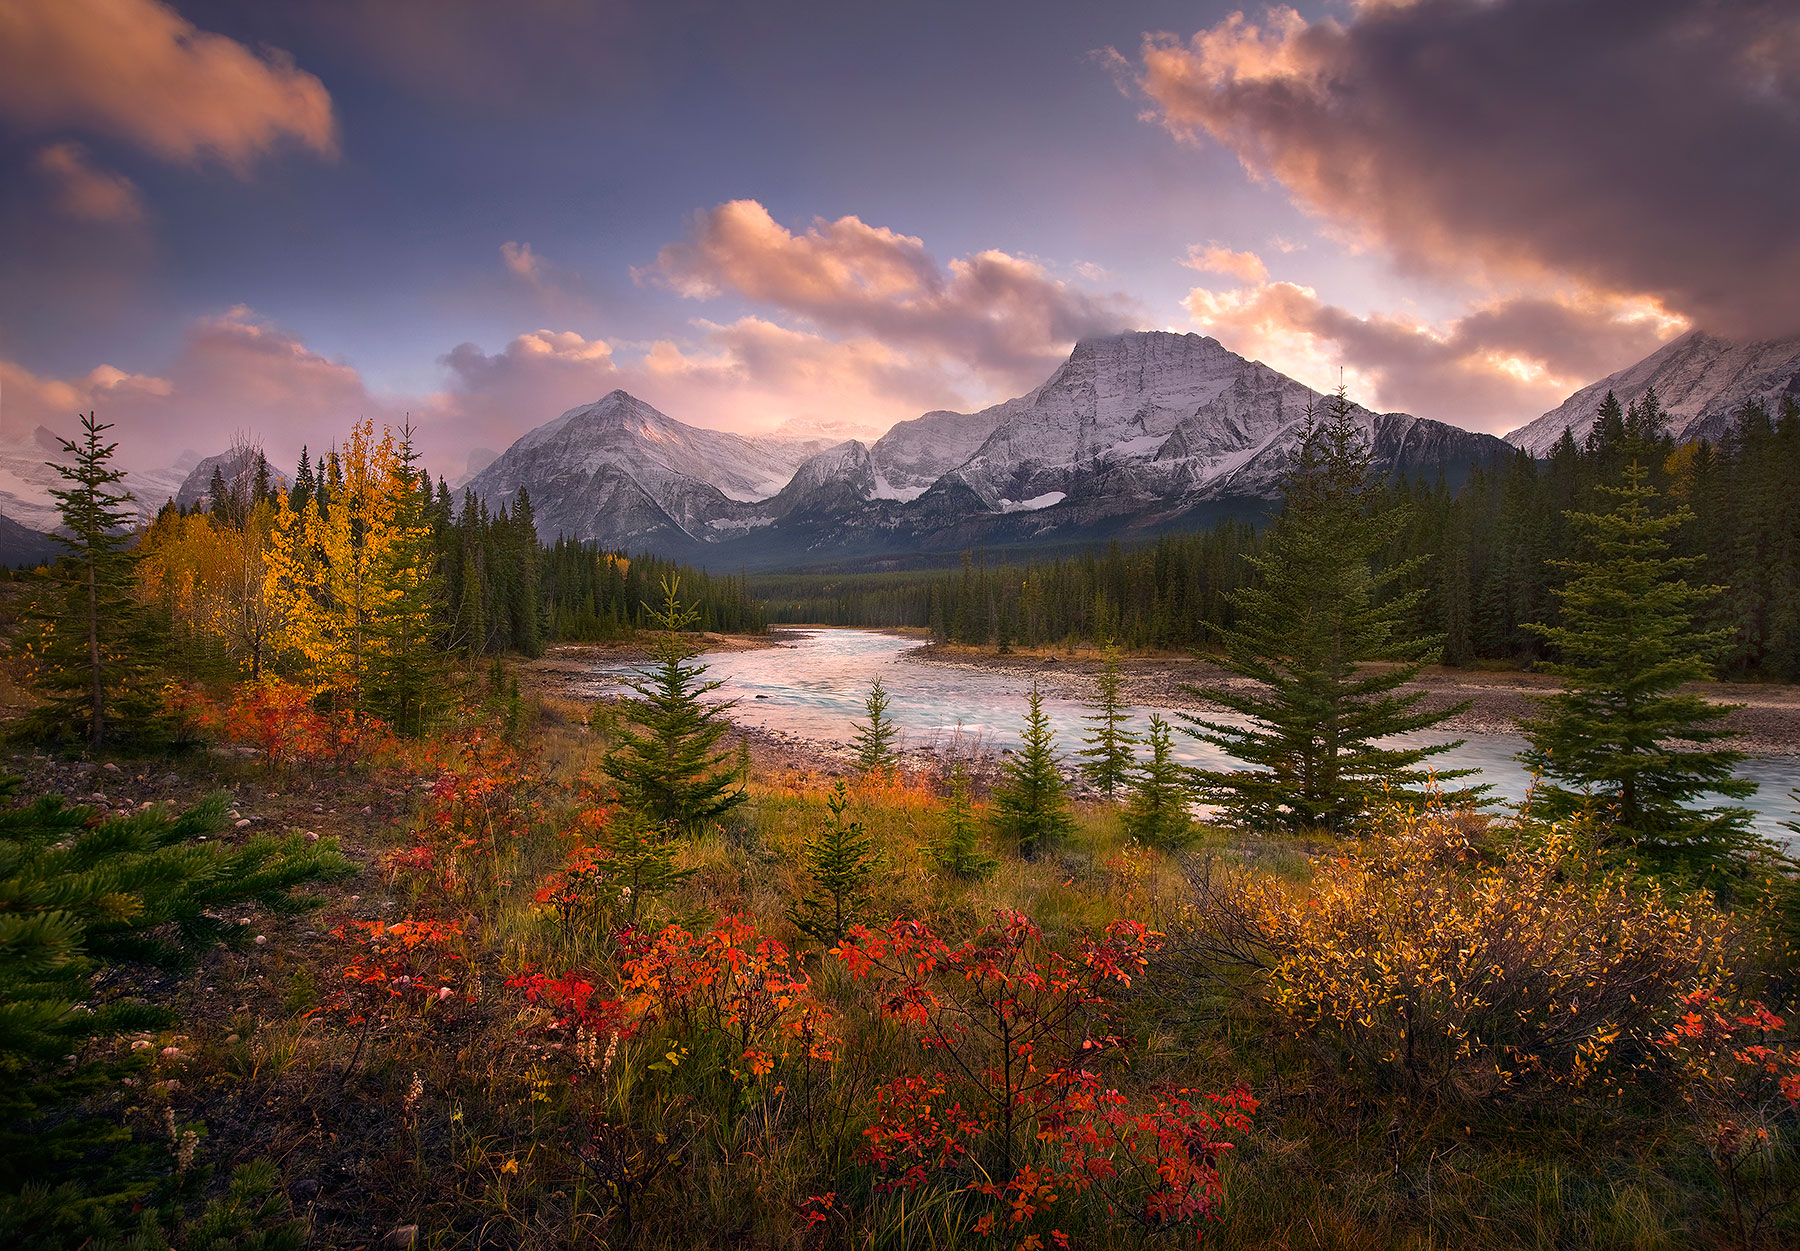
x,y
1031,804
873,745
841,860
957,849
1158,813
1107,759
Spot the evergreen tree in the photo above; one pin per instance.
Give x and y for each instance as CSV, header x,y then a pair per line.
x,y
1316,715
94,649
1031,804
1158,812
408,674
873,744
639,862
1620,732
841,860
957,849
301,493
86,897
667,766
1107,756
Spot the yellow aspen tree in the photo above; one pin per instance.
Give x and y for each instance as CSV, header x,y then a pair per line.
x,y
327,565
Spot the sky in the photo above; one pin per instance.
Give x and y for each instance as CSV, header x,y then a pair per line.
x,y
273,220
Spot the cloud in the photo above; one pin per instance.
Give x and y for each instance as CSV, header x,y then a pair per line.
x,y
84,191
136,70
233,372
749,375
1214,259
1633,146
523,262
1000,316
1492,368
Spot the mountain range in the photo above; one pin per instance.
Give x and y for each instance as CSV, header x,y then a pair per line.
x,y
1135,433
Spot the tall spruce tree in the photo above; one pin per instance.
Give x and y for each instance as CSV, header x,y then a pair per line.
x,y
873,744
1031,803
93,648
665,758
841,861
1107,758
1620,733
1158,814
1316,714
408,673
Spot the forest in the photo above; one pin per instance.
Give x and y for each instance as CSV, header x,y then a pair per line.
x,y
1493,554
330,917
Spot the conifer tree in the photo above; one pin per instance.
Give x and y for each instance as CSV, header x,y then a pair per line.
x,y
1107,758
1620,732
408,675
1158,812
94,651
86,896
873,744
1316,717
1031,803
957,849
639,862
665,758
841,860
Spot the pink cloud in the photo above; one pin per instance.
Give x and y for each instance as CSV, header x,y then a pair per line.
x,y
1000,316
1632,146
137,70
1214,259
1492,368
82,190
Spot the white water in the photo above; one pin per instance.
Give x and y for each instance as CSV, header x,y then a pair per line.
x,y
813,687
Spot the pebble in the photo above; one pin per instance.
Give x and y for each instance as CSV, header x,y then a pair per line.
x,y
404,1236
262,940
242,822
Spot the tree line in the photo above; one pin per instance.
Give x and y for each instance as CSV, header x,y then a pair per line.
x,y
359,579
1479,565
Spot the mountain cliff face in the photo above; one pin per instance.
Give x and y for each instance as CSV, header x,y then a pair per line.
x,y
1701,382
1135,432
577,468
28,475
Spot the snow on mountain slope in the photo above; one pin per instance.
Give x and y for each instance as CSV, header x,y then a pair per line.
x,y
27,477
688,473
1701,382
1127,390
914,454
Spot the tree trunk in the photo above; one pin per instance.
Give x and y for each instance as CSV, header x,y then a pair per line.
x,y
96,694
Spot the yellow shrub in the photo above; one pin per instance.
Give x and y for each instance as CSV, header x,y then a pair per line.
x,y
1438,971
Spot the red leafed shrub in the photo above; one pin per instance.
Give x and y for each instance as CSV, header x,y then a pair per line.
x,y
731,986
279,721
394,968
1739,1072
570,1001
1018,1116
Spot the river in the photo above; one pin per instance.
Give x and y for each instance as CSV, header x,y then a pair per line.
x,y
814,686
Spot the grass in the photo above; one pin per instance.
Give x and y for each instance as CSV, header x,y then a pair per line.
x,y
472,1121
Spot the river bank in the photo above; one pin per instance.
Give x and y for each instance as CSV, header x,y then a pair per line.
x,y
1767,721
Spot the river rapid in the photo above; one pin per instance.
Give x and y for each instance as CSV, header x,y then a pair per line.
x,y
812,685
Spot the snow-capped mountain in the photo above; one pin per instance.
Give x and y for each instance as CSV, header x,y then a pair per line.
x,y
1701,382
618,470
28,475
1135,432
238,465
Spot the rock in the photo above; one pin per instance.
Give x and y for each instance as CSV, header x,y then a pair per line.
x,y
403,1236
305,1189
242,822
110,767
262,940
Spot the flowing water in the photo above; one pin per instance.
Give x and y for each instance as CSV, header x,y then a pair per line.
x,y
813,688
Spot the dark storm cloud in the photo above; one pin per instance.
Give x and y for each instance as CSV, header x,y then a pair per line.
x,y
1638,146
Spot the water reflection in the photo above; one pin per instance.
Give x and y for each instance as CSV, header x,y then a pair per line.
x,y
814,688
